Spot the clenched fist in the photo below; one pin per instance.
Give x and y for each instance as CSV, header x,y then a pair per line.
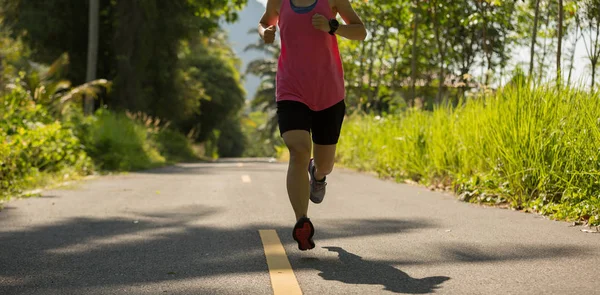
x,y
320,22
269,34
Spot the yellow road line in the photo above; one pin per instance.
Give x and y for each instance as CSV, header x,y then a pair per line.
x,y
283,279
246,179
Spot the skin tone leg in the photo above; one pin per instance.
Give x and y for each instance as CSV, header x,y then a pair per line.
x,y
299,145
324,160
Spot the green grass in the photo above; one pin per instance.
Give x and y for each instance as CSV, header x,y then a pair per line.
x,y
536,150
118,143
174,146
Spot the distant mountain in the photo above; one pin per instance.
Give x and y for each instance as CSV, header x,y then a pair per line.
x,y
239,39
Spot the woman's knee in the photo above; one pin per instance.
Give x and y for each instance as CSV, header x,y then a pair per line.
x,y
324,158
299,154
325,168
299,144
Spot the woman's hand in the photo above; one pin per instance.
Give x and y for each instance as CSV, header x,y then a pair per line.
x,y
267,26
320,22
269,34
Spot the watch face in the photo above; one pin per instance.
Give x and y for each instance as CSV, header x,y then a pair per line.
x,y
334,23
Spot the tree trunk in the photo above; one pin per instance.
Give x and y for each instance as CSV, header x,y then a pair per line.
x,y
361,73
544,49
534,38
1,75
441,50
380,79
561,16
442,79
596,55
414,53
370,73
395,71
127,86
92,56
486,48
593,78
574,51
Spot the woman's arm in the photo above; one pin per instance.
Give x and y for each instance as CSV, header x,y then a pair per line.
x,y
354,29
268,23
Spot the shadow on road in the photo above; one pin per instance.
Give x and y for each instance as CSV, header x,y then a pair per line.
x,y
177,245
353,269
166,245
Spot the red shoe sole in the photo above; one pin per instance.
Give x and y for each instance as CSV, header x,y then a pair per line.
x,y
303,233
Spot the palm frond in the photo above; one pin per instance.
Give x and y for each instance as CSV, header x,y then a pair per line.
x,y
90,89
261,67
57,68
267,49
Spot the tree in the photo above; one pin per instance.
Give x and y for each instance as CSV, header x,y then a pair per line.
x,y
138,51
591,34
467,46
534,37
92,57
413,66
561,18
573,8
442,29
212,70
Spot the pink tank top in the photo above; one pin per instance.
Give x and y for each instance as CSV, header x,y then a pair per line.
x,y
310,68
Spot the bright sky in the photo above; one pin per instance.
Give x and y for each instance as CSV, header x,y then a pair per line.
x,y
580,72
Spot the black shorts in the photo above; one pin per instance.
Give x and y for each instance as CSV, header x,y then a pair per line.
x,y
325,126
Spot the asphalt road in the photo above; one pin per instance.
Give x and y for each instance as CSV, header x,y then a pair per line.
x,y
193,229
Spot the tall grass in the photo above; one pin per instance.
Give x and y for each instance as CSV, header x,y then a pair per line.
x,y
535,149
118,143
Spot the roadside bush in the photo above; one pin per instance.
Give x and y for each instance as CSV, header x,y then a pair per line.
x,y
33,145
118,143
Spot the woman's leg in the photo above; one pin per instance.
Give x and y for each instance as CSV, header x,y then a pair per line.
x,y
326,127
324,160
299,145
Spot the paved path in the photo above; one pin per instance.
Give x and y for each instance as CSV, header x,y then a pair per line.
x,y
194,229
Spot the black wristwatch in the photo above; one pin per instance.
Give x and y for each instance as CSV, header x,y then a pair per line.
x,y
333,26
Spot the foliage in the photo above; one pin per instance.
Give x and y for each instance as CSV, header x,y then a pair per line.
x,y
174,146
140,47
209,64
45,137
162,61
118,143
260,125
231,141
536,149
258,143
460,45
36,146
33,143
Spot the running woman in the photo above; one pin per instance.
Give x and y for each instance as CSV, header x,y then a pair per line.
x,y
310,94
